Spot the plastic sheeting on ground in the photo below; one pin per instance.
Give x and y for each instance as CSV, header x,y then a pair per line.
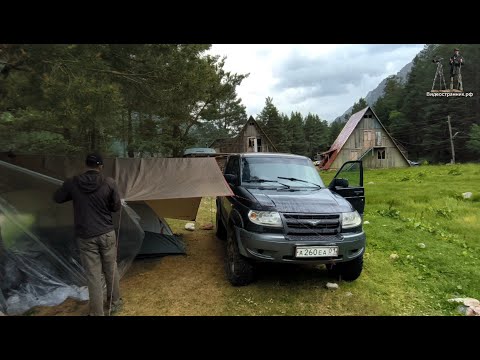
x,y
39,259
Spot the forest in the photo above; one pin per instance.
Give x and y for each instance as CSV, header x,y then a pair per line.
x,y
159,99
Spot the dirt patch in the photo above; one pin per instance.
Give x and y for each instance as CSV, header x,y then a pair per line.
x,y
191,284
69,307
178,285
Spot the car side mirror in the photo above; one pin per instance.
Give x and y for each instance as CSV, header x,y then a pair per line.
x,y
343,183
231,179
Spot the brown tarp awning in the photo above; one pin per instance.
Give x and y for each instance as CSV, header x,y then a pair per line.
x,y
172,187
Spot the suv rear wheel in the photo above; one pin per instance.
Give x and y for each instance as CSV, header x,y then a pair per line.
x,y
348,271
240,271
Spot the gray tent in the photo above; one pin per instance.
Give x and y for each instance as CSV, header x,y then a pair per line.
x,y
39,262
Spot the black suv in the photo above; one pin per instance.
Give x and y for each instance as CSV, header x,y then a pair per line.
x,y
282,212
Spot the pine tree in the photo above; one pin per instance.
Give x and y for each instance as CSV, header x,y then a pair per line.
x,y
146,97
273,125
360,105
316,135
296,134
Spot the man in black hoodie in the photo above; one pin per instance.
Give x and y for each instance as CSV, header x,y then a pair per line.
x,y
94,199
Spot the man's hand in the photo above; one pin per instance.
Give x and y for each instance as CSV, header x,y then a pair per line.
x,y
124,203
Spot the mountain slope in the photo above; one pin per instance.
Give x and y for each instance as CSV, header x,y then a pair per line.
x,y
376,93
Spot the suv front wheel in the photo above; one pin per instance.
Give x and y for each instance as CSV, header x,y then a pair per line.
x,y
240,271
221,232
348,271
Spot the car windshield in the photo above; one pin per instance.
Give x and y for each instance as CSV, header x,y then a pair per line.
x,y
289,169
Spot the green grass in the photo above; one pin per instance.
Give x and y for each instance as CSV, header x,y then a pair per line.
x,y
404,208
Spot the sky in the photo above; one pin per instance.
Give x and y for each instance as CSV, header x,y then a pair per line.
x,y
324,79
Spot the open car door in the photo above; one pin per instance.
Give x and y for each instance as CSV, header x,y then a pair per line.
x,y
348,183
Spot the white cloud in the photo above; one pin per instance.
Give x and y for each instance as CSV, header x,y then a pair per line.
x,y
325,79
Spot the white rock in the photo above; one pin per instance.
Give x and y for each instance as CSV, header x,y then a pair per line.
x,y
421,245
190,226
476,310
348,294
366,222
471,306
470,312
467,195
471,302
332,286
394,256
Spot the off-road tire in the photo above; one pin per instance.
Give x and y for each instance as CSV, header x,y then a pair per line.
x,y
239,270
348,271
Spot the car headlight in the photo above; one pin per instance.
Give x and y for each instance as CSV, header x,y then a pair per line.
x,y
351,220
265,218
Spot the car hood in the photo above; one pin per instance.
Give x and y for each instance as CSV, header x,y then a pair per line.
x,y
300,201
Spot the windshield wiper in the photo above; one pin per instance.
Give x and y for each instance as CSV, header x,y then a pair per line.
x,y
259,180
295,179
266,180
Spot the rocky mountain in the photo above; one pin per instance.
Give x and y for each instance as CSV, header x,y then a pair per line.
x,y
376,93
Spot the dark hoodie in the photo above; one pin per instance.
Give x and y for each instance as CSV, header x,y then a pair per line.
x,y
94,199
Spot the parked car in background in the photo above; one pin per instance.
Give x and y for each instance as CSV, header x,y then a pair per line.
x,y
199,152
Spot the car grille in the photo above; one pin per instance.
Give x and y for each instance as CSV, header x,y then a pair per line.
x,y
311,226
323,238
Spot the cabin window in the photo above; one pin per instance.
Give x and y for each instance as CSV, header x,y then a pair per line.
x,y
259,145
252,144
381,154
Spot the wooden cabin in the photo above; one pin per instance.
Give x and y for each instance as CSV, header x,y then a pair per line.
x,y
251,138
364,138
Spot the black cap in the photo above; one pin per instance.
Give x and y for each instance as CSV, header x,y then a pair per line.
x,y
94,159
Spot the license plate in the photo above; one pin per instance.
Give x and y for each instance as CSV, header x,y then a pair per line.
x,y
316,251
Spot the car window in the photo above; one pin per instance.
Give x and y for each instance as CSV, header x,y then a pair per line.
x,y
233,166
236,167
270,168
228,168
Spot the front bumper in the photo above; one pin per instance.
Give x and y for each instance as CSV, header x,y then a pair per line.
x,y
277,248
